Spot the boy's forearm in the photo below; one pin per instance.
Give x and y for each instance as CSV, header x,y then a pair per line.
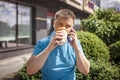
x,y
36,62
83,64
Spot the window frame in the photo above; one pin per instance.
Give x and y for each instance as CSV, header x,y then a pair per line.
x,y
16,34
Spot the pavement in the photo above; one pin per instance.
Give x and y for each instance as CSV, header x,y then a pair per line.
x,y
11,65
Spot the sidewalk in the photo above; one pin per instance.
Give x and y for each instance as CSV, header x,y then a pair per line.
x,y
12,65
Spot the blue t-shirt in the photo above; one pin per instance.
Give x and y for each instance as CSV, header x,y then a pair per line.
x,y
61,62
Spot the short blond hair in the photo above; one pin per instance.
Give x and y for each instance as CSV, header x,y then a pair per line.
x,y
65,13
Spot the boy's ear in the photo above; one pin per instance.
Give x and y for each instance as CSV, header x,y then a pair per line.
x,y
53,22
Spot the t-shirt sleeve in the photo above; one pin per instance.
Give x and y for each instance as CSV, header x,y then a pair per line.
x,y
38,48
81,49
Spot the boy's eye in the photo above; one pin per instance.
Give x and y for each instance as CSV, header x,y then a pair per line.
x,y
60,24
68,26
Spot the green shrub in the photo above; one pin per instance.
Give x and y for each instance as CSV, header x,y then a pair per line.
x,y
98,54
93,47
24,76
105,24
100,70
115,52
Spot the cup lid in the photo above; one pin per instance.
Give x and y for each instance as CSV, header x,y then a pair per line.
x,y
62,28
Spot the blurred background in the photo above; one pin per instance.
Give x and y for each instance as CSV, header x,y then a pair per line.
x,y
24,22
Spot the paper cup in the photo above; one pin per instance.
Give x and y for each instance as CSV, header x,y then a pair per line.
x,y
64,40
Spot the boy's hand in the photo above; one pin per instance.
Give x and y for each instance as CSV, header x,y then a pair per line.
x,y
73,34
55,40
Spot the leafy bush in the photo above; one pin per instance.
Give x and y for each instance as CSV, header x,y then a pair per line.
x,y
100,70
98,54
115,52
105,24
24,76
93,47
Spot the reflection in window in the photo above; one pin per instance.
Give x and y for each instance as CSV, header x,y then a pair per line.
x,y
24,26
8,28
7,23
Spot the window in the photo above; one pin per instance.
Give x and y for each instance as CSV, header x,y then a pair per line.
x,y
24,25
15,28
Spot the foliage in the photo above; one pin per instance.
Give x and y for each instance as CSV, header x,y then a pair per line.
x,y
24,76
115,52
100,70
93,47
98,55
105,24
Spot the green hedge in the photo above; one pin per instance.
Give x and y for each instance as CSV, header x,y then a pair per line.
x,y
93,47
100,70
98,54
115,52
24,76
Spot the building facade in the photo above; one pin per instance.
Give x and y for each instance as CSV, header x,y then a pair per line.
x,y
24,22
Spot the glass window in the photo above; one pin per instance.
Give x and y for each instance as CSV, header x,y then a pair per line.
x,y
8,25
24,25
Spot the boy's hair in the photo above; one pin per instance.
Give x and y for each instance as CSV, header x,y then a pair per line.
x,y
65,13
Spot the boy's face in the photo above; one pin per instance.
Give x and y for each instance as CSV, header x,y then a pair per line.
x,y
63,22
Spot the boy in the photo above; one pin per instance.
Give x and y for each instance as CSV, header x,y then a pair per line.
x,y
58,62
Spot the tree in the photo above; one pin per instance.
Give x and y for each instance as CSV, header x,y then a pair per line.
x,y
105,24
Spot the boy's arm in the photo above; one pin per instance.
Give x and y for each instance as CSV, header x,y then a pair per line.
x,y
35,63
83,64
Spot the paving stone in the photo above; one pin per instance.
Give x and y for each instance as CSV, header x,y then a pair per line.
x,y
11,65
